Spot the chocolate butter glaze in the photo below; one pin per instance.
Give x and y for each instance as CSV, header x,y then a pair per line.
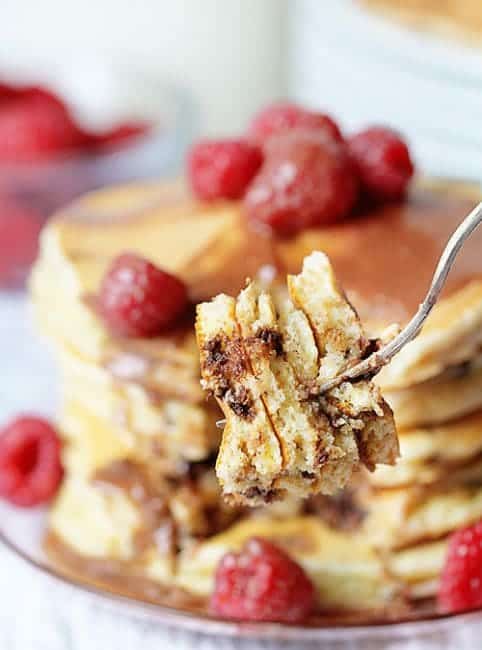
x,y
384,258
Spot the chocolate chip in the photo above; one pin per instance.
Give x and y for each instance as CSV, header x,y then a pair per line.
x,y
272,339
240,402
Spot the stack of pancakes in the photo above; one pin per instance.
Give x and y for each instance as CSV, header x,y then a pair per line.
x,y
435,389
140,507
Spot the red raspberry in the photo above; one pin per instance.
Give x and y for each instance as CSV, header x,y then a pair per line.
x,y
30,466
117,136
137,299
262,583
222,169
306,180
35,124
461,581
19,233
285,116
7,92
383,162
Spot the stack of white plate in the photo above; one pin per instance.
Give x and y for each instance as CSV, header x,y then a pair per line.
x,y
366,69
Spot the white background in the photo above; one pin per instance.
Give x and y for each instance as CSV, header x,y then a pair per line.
x,y
233,56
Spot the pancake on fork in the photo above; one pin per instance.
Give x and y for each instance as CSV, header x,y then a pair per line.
x,y
264,356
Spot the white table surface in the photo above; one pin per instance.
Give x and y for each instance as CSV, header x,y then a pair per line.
x,y
37,613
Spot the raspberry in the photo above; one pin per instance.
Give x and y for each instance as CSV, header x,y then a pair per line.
x,y
383,162
7,92
306,180
284,116
222,169
137,299
117,136
461,581
19,232
262,583
30,466
35,124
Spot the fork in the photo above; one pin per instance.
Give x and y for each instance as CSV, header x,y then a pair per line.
x,y
372,364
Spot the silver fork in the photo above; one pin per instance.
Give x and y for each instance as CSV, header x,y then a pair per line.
x,y
381,357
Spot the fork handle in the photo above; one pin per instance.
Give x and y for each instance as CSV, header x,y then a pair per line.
x,y
380,358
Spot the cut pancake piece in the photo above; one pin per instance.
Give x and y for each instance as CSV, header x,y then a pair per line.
x,y
250,454
264,356
337,329
341,341
307,439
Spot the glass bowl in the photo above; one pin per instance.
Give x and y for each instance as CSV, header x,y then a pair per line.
x,y
32,192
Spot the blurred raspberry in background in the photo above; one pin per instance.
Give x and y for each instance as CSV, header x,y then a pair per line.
x,y
39,137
